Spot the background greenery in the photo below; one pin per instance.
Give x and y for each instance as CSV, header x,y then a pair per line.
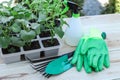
x,y
117,6
112,7
109,8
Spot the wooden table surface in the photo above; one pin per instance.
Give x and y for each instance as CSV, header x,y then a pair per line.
x,y
23,70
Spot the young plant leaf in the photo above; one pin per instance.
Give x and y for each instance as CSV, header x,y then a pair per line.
x,y
16,28
22,21
17,41
59,31
36,27
4,42
4,19
42,17
27,36
4,11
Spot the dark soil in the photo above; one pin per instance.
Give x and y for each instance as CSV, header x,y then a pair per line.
x,y
32,20
49,43
27,6
57,23
31,46
10,49
45,34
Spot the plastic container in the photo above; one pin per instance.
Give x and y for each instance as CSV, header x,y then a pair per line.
x,y
74,32
32,54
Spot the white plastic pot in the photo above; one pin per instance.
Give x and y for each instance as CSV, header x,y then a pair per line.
x,y
32,54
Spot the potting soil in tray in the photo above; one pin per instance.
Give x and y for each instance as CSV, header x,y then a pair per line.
x,y
45,34
10,49
49,43
31,46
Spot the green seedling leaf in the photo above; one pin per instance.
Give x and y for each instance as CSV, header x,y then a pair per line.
x,y
14,13
20,12
17,41
59,31
36,27
4,42
37,30
4,19
1,32
16,28
25,15
42,17
4,11
27,36
63,22
22,21
19,8
32,16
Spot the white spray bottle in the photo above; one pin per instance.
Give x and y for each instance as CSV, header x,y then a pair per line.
x,y
74,32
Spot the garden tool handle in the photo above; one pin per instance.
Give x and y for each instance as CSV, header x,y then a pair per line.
x,y
61,64
70,54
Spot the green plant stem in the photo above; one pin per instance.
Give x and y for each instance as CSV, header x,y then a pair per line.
x,y
28,43
52,36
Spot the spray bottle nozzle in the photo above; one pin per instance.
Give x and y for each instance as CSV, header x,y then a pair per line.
x,y
69,5
73,6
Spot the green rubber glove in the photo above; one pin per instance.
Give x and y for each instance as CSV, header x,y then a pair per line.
x,y
81,61
95,40
77,57
98,58
87,68
95,48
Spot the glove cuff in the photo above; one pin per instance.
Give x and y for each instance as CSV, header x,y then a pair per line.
x,y
93,32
